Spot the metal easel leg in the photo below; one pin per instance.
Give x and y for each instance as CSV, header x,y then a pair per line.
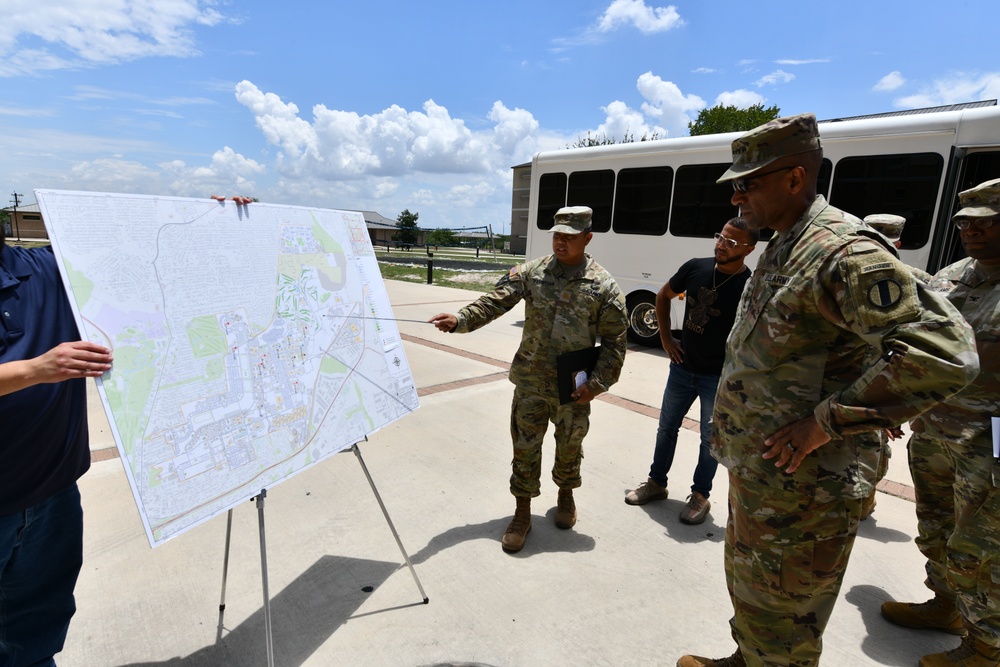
x,y
399,543
263,572
225,574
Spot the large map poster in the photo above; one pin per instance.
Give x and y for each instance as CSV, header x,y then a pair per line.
x,y
250,341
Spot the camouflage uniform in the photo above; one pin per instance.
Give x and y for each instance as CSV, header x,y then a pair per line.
x,y
565,310
825,290
951,462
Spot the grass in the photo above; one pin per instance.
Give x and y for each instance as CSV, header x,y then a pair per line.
x,y
479,281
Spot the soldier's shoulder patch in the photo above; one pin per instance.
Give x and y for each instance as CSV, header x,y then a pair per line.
x,y
885,293
881,288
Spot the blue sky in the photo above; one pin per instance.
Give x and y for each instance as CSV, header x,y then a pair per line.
x,y
385,105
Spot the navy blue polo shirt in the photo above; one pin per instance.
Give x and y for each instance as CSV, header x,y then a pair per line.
x,y
43,429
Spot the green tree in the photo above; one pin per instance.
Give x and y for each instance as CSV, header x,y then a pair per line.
x,y
406,222
440,237
605,140
721,118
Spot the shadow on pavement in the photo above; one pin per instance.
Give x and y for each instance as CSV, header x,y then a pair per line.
x,y
303,616
543,538
888,644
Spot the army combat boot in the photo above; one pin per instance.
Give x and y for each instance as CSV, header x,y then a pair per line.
x,y
518,527
735,660
939,613
565,509
971,653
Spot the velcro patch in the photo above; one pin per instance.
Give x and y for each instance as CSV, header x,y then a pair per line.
x,y
883,293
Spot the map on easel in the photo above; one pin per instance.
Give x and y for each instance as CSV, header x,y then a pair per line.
x,y
250,341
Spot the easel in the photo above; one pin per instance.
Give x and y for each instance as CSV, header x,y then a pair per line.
x,y
263,558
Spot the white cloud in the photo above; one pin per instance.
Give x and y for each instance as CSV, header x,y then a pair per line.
x,y
774,78
665,102
640,16
396,158
810,61
959,87
703,70
61,34
228,173
394,142
114,175
25,112
741,99
890,81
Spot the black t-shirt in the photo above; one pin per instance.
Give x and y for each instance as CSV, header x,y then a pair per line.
x,y
710,302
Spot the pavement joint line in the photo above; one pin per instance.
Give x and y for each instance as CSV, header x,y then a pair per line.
x,y
461,384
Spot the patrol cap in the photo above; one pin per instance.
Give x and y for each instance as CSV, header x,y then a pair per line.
x,y
573,219
774,139
982,201
886,224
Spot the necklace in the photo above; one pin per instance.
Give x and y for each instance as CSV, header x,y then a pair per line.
x,y
731,276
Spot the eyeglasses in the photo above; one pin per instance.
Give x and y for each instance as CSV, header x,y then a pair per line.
x,y
979,223
730,243
740,184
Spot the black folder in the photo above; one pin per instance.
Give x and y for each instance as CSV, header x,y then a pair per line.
x,y
569,364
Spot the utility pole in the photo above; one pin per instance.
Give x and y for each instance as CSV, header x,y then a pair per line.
x,y
16,201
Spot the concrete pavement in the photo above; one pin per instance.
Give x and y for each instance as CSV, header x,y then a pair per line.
x,y
626,586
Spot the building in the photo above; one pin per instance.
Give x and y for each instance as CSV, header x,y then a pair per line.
x,y
381,229
25,223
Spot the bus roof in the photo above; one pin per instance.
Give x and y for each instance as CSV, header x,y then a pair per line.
x,y
954,121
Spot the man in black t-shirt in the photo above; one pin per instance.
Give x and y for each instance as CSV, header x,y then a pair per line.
x,y
713,286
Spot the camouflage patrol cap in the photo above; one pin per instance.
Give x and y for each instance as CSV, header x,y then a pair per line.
x,y
982,201
886,224
573,219
774,139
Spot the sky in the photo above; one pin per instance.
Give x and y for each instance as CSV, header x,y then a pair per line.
x,y
389,105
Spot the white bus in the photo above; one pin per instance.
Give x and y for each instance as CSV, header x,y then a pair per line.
x,y
656,203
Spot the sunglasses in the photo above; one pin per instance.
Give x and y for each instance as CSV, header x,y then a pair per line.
x,y
979,223
740,184
730,243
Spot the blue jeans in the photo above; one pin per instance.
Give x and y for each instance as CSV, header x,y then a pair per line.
x,y
41,552
682,388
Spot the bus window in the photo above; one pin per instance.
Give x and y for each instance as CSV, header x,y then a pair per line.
x,y
595,189
642,200
976,168
979,168
700,206
551,198
823,182
905,185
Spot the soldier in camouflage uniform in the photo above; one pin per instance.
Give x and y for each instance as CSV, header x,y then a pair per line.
x,y
891,227
795,396
953,463
570,301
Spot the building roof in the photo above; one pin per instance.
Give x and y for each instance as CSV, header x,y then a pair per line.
x,y
24,208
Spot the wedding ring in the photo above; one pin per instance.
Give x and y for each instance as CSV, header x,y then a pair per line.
x,y
790,447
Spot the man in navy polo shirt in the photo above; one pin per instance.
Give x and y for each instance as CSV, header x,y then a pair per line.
x,y
43,451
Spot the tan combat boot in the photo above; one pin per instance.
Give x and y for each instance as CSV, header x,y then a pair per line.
x,y
939,613
518,527
971,653
565,509
735,660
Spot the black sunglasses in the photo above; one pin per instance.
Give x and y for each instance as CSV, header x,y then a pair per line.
x,y
740,184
